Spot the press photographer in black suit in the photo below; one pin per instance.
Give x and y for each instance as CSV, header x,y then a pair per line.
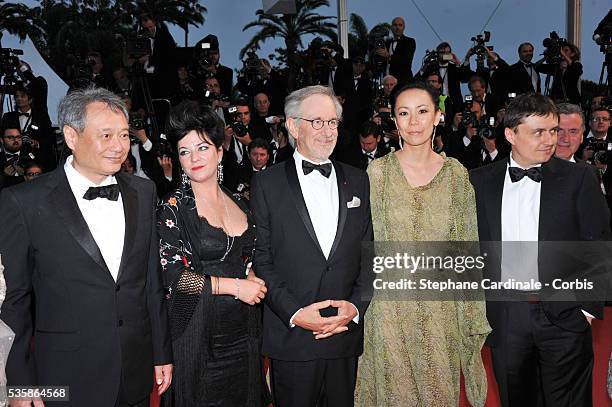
x,y
399,52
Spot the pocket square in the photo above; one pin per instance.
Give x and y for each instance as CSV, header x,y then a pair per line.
x,y
355,203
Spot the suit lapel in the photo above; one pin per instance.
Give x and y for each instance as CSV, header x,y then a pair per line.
x,y
298,199
342,211
550,181
129,198
67,209
495,191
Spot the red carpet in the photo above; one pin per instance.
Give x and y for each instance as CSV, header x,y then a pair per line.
x,y
602,346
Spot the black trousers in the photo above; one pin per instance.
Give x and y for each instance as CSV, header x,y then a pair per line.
x,y
320,383
540,364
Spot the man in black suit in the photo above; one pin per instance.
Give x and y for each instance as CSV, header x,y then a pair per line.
x,y
399,52
160,65
79,244
523,76
223,74
312,215
541,349
361,153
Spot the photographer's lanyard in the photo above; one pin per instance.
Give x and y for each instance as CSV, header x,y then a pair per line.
x,y
27,123
444,78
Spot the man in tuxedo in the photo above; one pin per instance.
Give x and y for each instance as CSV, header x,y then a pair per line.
x,y
541,349
160,66
399,52
523,76
571,131
361,153
312,215
11,159
84,294
223,74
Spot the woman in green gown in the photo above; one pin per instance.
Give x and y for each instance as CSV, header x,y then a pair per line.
x,y
414,351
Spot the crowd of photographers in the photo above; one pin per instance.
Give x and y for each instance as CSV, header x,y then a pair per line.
x,y
155,74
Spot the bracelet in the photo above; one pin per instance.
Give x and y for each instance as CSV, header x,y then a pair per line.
x,y
237,289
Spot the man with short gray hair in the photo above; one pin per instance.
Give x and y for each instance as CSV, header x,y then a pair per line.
x,y
81,241
570,132
312,215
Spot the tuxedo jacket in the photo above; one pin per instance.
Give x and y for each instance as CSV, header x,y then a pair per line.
x,y
400,64
224,75
354,155
46,153
518,79
572,208
289,259
87,331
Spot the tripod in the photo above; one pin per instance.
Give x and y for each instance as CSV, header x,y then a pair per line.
x,y
556,76
606,66
140,83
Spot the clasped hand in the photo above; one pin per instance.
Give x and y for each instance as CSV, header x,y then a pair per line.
x,y
323,327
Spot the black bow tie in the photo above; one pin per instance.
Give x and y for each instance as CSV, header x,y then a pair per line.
x,y
24,114
516,174
110,192
324,169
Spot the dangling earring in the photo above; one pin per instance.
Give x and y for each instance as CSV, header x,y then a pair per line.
x,y
433,137
184,179
219,172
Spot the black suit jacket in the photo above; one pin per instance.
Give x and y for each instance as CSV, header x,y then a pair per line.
x,y
224,75
288,257
572,208
400,64
89,331
518,79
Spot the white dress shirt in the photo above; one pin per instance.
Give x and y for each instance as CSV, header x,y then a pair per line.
x,y
135,150
443,70
321,197
25,121
533,74
104,217
520,217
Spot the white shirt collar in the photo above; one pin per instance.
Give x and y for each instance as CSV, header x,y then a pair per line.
x,y
515,164
78,182
299,158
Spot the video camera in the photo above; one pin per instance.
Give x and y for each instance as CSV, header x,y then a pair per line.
x,y
553,45
601,149
377,39
251,66
8,69
432,59
478,47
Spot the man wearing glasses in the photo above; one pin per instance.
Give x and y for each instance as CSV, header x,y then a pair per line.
x,y
11,158
312,215
600,124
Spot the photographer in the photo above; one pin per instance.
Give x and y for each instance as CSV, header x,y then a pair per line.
x,y
464,141
523,76
259,154
219,102
399,52
600,124
159,66
258,76
208,47
11,158
367,148
238,136
34,126
563,65
451,71
262,121
390,136
494,74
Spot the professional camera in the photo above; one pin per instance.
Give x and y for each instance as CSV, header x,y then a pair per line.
x,y
163,148
479,49
432,59
240,130
601,149
486,129
209,97
138,46
468,118
553,46
603,34
8,69
377,39
251,66
320,53
386,123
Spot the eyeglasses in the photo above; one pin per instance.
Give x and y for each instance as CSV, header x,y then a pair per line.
x,y
317,124
33,174
12,138
600,119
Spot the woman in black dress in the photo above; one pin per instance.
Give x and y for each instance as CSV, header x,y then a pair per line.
x,y
206,244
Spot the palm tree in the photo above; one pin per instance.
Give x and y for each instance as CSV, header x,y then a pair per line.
x,y
358,35
20,20
291,28
179,12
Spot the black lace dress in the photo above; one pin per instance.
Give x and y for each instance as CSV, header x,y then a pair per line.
x,y
216,339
